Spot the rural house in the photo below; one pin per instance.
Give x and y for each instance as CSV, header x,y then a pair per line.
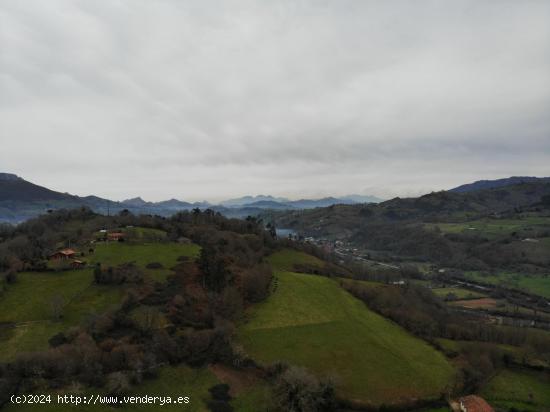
x,y
473,403
63,254
116,236
77,264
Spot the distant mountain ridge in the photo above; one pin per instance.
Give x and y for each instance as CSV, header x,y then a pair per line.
x,y
8,177
248,200
172,204
21,200
496,183
346,221
14,188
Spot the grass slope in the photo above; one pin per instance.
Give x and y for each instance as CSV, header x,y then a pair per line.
x,y
524,390
26,307
459,293
287,258
115,253
310,321
535,284
495,227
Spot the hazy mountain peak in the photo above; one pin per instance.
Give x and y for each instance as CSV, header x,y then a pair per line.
x,y
362,198
9,177
135,201
244,200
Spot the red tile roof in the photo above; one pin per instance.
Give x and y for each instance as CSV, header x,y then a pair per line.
x,y
473,403
65,252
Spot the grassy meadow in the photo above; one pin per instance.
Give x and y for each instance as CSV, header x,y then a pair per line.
x,y
287,258
115,253
310,321
523,390
27,306
458,293
535,284
492,228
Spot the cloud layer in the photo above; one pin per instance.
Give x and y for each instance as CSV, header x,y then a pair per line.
x,y
210,99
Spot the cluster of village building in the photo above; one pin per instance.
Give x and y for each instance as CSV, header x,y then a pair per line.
x,y
71,257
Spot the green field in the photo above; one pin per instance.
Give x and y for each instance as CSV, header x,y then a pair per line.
x,y
535,284
115,253
287,258
256,398
495,227
145,234
524,390
27,313
310,321
26,307
459,293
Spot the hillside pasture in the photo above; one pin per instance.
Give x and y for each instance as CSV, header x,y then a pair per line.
x,y
29,299
493,228
167,254
457,293
286,259
310,321
520,389
531,283
27,307
138,233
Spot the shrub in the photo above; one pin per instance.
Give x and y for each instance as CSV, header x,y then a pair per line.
x,y
125,273
117,383
11,277
57,340
256,282
299,391
220,392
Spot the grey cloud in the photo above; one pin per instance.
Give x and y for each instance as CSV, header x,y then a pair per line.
x,y
206,99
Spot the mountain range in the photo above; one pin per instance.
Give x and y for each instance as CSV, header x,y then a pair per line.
x,y
21,200
493,184
470,202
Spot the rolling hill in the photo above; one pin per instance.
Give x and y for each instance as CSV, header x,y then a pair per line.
x,y
343,220
310,321
492,184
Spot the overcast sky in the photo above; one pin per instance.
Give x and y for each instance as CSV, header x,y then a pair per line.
x,y
215,99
